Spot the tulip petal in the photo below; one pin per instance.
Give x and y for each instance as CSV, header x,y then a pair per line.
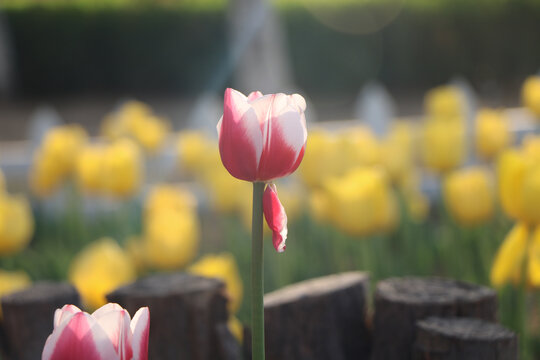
x,y
284,135
140,327
79,338
254,95
275,216
240,138
115,321
61,315
510,256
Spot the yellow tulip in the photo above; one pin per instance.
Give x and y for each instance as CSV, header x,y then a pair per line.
x,y
444,102
151,132
98,269
227,194
16,224
492,133
361,202
135,120
333,154
89,170
443,146
469,195
321,160
196,150
530,196
12,281
397,151
55,159
530,94
223,267
122,168
164,196
171,238
417,204
510,256
357,146
530,147
512,167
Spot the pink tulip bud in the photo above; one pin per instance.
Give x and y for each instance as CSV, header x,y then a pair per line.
x,y
275,216
107,334
262,137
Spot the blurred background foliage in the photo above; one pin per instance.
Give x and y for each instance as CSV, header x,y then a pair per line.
x,y
334,45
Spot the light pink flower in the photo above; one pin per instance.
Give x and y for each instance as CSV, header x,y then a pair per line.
x,y
262,138
107,334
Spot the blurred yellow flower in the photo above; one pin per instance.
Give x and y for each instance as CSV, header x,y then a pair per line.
x,y
469,195
236,328
397,151
12,281
509,260
530,147
530,196
444,102
171,238
530,94
321,158
361,202
443,145
166,196
492,133
197,152
122,168
89,169
136,121
333,154
98,269
55,159
16,223
512,167
222,266
417,203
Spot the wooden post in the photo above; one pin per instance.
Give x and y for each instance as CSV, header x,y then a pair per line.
x,y
188,316
400,302
29,315
463,339
322,318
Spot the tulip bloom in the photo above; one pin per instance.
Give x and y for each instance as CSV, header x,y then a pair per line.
x,y
107,334
262,138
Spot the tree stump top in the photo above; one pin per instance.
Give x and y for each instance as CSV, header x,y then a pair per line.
x,y
314,288
465,329
39,292
419,290
168,284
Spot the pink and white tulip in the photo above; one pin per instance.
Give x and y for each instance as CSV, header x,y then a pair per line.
x,y
262,138
107,334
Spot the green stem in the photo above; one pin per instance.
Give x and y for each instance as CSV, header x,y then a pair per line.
x,y
257,286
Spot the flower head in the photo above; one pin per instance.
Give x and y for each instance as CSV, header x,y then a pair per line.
x,y
107,334
262,137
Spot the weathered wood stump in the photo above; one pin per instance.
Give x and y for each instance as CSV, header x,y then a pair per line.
x,y
400,302
322,318
188,316
463,339
29,315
